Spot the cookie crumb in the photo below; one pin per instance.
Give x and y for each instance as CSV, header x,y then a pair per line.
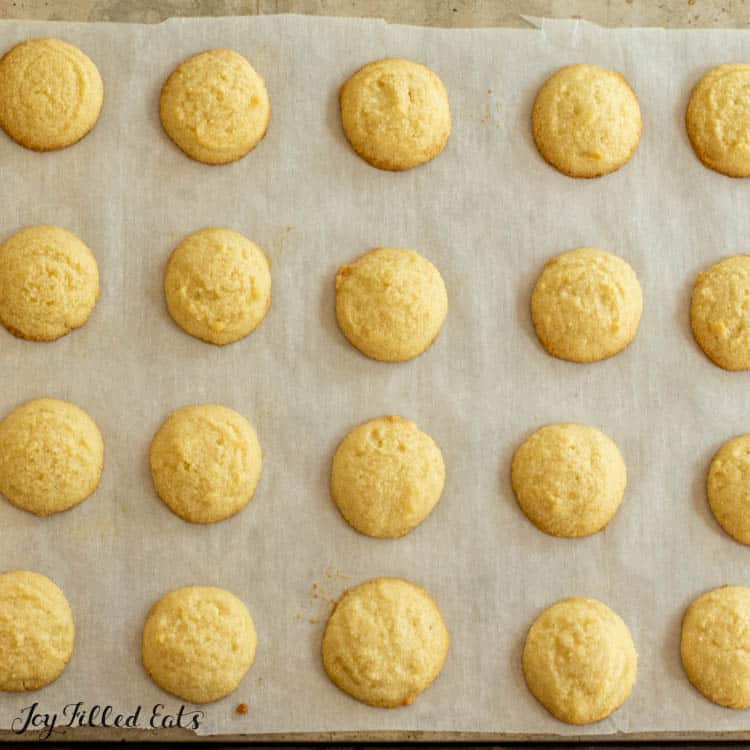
x,y
242,708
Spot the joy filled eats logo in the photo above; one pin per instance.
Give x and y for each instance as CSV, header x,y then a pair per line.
x,y
74,715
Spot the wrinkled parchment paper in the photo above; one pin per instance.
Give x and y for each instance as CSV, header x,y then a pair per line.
x,y
488,212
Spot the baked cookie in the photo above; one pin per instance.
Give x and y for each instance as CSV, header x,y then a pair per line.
x,y
715,645
586,121
717,117
51,456
728,487
36,631
579,660
49,283
395,113
385,642
218,285
390,303
586,305
198,643
719,314
51,94
569,479
386,477
215,106
205,463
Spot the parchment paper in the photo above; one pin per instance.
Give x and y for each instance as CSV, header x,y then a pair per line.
x,y
488,212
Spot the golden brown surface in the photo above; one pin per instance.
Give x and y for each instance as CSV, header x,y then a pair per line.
x,y
579,660
395,113
715,645
385,642
569,479
390,303
198,643
218,285
215,106
586,305
586,121
36,631
49,283
205,462
51,456
386,477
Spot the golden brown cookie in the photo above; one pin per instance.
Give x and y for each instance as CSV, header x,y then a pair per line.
x,y
36,631
51,94
205,463
728,487
49,283
715,645
198,643
51,456
586,305
395,113
386,477
720,314
717,119
218,285
215,106
586,121
385,642
390,303
579,660
569,479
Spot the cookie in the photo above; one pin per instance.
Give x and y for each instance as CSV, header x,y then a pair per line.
x,y
715,645
719,315
51,456
36,631
385,642
586,305
205,463
569,479
215,106
579,660
49,283
586,121
395,113
386,477
218,285
728,487
51,94
198,643
390,303
717,117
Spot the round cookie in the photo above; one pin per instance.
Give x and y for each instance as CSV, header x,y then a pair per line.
x,y
49,283
51,456
586,305
51,94
728,487
717,117
36,631
390,303
569,479
198,643
719,315
586,121
395,113
215,106
385,642
205,463
715,645
386,477
218,285
579,660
